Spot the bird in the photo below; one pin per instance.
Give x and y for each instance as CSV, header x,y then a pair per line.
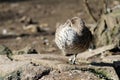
x,y
73,37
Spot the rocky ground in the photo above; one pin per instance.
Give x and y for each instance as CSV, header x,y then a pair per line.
x,y
28,50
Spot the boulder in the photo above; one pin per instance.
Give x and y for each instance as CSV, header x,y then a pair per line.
x,y
107,30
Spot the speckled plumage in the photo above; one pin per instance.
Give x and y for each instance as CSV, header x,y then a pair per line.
x,y
73,37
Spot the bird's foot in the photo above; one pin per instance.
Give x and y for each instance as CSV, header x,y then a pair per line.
x,y
72,60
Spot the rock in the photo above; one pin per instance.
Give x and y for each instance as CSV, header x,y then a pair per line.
x,y
59,63
52,67
111,59
18,38
83,73
49,60
4,50
30,25
107,72
26,20
4,59
32,28
70,75
10,69
108,29
26,50
43,25
22,70
4,31
88,54
45,41
34,72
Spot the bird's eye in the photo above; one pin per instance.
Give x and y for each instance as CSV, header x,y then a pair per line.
x,y
73,22
82,22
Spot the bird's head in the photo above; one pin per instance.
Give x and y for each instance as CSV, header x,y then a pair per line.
x,y
77,22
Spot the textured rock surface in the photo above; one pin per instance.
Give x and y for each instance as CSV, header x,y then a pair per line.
x,y
21,70
111,59
11,69
52,67
63,69
70,75
34,72
108,29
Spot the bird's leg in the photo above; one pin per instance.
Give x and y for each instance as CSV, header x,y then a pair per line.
x,y
72,60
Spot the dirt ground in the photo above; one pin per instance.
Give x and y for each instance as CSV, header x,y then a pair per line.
x,y
47,13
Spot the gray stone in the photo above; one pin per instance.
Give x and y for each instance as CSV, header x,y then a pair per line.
x,y
111,59
107,30
9,70
4,59
70,75
34,72
21,70
88,54
59,63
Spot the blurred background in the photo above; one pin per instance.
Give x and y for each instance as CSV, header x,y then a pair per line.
x,y
33,22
